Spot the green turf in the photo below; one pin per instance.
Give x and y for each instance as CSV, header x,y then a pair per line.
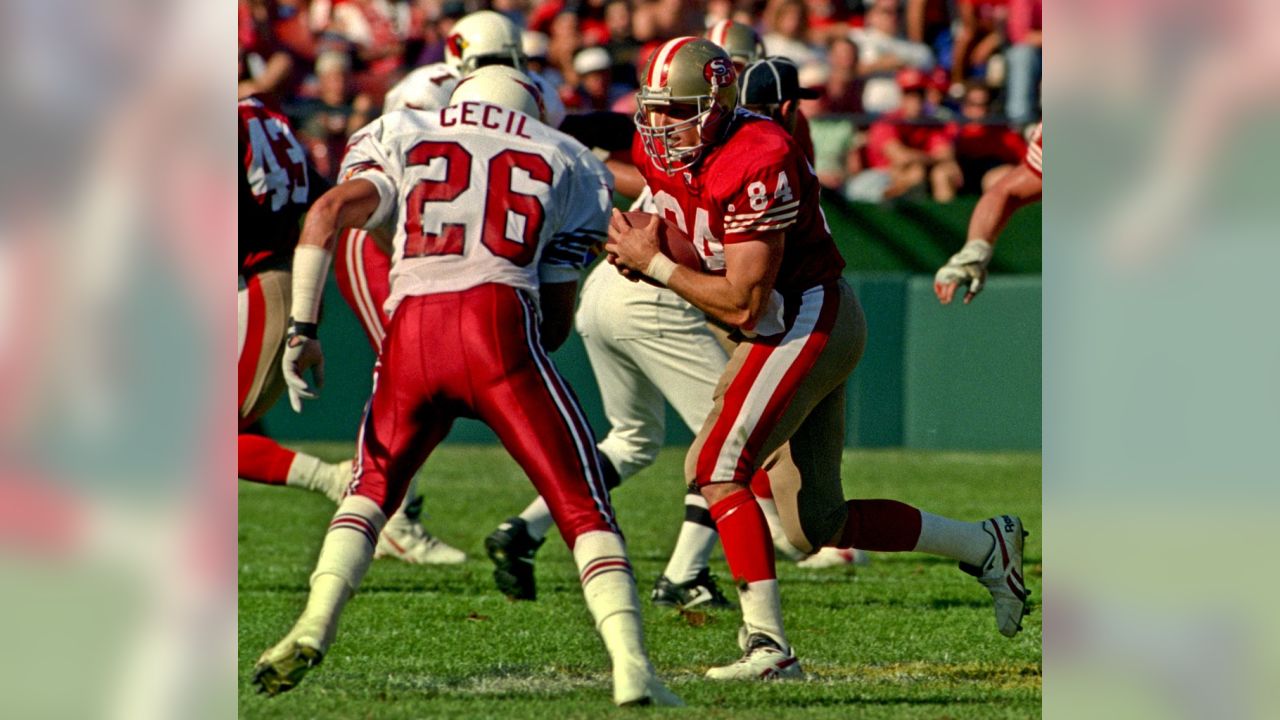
x,y
907,637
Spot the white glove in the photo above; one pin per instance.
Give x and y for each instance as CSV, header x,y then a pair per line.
x,y
302,352
967,267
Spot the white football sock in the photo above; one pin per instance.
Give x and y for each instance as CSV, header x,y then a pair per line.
x,y
780,541
610,590
963,541
694,544
347,550
537,518
762,610
310,473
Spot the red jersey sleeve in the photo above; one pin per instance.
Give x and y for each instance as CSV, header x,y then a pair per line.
x,y
761,199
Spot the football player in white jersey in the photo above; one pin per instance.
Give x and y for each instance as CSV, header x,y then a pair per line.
x,y
477,40
495,215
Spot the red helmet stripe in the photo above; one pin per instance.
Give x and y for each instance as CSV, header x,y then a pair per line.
x,y
719,31
662,63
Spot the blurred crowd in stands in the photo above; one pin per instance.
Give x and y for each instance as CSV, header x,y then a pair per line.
x,y
918,98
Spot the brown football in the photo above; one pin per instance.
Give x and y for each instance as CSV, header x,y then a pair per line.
x,y
671,240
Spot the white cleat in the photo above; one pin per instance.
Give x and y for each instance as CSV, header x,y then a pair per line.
x,y
636,684
763,659
282,667
828,557
407,540
1001,574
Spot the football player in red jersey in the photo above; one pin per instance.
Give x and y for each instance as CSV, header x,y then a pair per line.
x,y
276,188
495,214
739,187
1018,188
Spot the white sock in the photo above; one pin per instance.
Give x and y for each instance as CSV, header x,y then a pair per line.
x,y
694,544
308,472
963,541
610,590
780,541
348,546
762,610
537,517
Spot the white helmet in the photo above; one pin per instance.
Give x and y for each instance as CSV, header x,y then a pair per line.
x,y
502,86
483,38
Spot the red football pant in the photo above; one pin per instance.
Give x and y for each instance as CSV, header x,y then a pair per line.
x,y
262,460
477,353
363,272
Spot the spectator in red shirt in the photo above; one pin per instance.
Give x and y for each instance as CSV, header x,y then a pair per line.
x,y
906,148
844,86
985,149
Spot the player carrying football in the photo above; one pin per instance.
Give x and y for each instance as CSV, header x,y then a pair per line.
x,y
738,186
495,214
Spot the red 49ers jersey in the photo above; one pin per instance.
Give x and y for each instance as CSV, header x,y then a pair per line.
x,y
275,188
754,182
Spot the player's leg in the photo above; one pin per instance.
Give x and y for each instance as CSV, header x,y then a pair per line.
x,y
537,417
262,313
769,388
631,404
815,514
363,272
396,435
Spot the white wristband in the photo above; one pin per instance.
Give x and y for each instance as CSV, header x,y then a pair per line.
x,y
976,250
660,268
310,266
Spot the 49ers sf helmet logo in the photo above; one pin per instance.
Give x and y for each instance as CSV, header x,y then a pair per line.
x,y
719,71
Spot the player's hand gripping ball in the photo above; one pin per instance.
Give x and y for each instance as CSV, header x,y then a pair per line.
x,y
629,253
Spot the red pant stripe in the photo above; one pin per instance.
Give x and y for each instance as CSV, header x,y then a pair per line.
x,y
357,287
583,440
786,390
734,397
251,354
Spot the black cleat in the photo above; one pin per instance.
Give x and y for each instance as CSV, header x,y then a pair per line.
x,y
511,549
701,590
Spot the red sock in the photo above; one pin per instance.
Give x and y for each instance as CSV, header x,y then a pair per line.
x,y
882,525
760,486
748,547
262,460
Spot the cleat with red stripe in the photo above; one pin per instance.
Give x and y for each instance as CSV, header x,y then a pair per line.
x,y
763,659
405,539
829,557
1002,574
282,667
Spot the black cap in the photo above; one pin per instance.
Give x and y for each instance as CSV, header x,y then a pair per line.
x,y
772,81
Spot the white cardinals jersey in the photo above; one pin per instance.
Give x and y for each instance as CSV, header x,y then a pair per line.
x,y
480,194
429,88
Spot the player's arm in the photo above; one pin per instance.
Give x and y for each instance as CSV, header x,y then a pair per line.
x,y
557,303
626,177
1017,189
350,204
739,298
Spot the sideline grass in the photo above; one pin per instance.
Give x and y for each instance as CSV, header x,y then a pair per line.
x,y
909,636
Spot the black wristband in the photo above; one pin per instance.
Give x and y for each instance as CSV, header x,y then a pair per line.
x,y
305,329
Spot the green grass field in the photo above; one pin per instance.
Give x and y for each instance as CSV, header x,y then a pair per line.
x,y
908,636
